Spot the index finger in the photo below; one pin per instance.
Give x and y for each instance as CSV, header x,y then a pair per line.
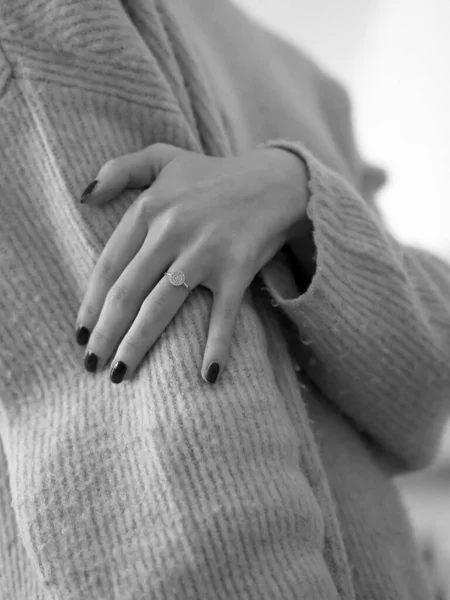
x,y
120,249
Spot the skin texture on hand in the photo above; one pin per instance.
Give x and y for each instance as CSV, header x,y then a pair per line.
x,y
218,220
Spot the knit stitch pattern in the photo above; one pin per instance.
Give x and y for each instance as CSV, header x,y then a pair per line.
x,y
164,486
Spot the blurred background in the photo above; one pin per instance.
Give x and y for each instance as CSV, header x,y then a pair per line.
x,y
394,58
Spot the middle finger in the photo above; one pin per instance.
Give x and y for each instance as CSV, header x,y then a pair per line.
x,y
157,311
125,298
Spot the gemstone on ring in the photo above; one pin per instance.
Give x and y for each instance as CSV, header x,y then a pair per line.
x,y
176,278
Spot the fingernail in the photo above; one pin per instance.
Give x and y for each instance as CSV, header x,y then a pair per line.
x,y
82,335
118,371
213,372
88,191
90,362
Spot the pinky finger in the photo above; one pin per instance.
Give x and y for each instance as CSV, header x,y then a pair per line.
x,y
225,310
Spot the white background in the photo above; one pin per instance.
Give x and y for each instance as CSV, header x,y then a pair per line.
x,y
394,57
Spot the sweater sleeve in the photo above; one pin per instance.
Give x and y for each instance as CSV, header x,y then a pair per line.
x,y
374,320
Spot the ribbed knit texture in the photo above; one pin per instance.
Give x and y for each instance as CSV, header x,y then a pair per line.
x,y
274,482
369,288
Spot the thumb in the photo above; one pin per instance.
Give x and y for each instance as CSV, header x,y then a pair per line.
x,y
135,170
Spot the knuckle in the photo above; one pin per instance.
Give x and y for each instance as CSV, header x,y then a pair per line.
x,y
163,206
144,206
158,304
89,314
170,222
218,345
102,337
105,270
111,166
150,196
118,294
132,348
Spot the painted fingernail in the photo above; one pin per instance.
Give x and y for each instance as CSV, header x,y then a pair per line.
x,y
118,371
88,191
213,372
90,362
82,335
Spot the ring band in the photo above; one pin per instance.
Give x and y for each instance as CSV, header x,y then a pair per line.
x,y
177,278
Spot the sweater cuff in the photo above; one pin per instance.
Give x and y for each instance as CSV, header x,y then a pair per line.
x,y
364,341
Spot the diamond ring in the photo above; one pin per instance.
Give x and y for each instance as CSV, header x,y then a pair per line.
x,y
177,278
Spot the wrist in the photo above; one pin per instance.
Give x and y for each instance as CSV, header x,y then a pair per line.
x,y
299,235
293,172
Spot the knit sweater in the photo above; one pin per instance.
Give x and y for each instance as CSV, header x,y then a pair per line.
x,y
275,482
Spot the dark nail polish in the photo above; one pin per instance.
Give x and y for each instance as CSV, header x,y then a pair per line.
x,y
118,371
90,362
213,372
88,191
82,335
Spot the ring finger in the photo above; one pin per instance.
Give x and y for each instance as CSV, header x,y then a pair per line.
x,y
155,314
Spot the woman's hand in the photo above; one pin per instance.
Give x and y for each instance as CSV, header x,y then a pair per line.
x,y
218,220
